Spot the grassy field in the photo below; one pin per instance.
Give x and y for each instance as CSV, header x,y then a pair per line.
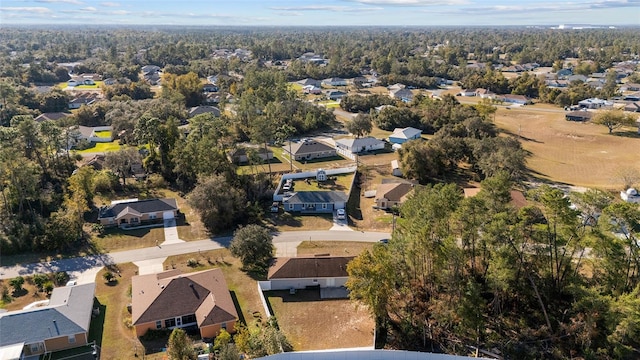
x,y
311,323
102,147
341,183
104,134
116,239
284,221
98,85
333,248
581,154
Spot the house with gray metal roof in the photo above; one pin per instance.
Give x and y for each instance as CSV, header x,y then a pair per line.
x,y
134,212
61,324
309,149
310,202
359,145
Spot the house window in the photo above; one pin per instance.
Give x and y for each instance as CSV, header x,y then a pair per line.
x,y
290,206
324,206
169,323
159,324
134,220
152,216
224,325
178,321
188,319
72,339
315,281
36,347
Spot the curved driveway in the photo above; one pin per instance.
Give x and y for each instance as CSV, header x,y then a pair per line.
x,y
92,261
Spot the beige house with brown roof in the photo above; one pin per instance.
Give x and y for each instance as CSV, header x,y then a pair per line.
x,y
170,299
517,197
392,194
302,272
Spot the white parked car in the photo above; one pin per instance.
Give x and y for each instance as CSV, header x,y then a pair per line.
x,y
341,214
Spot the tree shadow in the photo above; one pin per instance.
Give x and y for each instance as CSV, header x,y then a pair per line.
x,y
96,329
524,138
627,134
19,293
353,204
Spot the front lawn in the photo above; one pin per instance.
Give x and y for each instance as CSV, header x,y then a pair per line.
x,y
103,134
340,182
116,239
103,147
285,221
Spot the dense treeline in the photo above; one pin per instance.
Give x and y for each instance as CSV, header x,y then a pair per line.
x,y
527,283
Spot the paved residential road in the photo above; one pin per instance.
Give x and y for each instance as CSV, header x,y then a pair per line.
x,y
92,261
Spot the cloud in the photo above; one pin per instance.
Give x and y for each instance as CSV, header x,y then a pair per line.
x,y
323,8
290,13
110,4
27,9
74,2
414,3
552,7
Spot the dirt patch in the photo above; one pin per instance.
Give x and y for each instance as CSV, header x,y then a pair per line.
x,y
311,324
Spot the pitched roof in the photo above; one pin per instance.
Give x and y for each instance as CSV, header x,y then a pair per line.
x,y
205,109
359,142
393,191
68,313
171,294
405,133
317,197
140,207
402,93
517,197
309,267
308,147
51,116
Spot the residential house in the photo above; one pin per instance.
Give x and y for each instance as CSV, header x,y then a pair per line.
x,y
396,86
517,197
134,212
564,73
315,202
313,58
485,93
52,116
404,95
171,299
595,103
334,81
209,88
558,84
392,194
205,109
110,81
83,99
402,135
241,154
213,79
579,115
288,273
630,87
633,107
150,69
309,149
90,133
631,196
311,89
335,94
578,77
153,78
360,81
61,324
467,92
382,107
308,81
350,146
514,99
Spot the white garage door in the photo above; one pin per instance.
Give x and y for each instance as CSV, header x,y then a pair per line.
x,y
167,215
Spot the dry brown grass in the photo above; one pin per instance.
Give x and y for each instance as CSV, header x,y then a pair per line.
x,y
284,221
360,209
119,240
582,154
19,300
310,323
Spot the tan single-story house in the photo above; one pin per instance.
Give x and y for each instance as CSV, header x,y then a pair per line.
x,y
392,194
61,324
171,299
517,197
301,272
134,212
309,149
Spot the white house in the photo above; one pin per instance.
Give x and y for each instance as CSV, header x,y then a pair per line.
x,y
631,196
402,135
595,103
350,146
395,168
303,272
311,89
468,92
334,81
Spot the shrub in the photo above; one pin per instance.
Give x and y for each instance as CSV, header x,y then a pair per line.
x,y
98,229
39,280
17,283
192,262
48,287
156,181
108,276
61,278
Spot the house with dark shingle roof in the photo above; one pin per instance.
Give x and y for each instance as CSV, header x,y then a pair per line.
x,y
315,201
302,272
53,116
61,324
134,212
392,194
171,299
310,149
205,109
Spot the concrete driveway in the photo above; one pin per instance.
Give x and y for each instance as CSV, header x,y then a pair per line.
x,y
340,225
171,232
151,266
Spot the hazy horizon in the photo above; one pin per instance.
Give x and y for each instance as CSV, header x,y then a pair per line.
x,y
301,13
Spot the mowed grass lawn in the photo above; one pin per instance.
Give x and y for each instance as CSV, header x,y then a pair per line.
x,y
102,147
312,324
581,154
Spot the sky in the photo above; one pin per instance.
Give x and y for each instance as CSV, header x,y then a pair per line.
x,y
321,12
